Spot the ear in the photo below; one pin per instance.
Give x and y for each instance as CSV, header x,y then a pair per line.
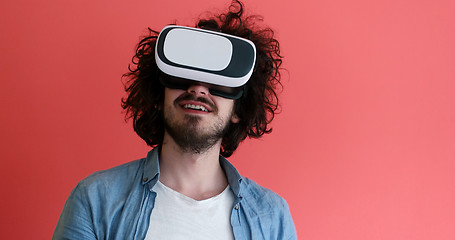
x,y
235,118
159,107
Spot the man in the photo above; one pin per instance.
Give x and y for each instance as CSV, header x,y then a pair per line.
x,y
194,111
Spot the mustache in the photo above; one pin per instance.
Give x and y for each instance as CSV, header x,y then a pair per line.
x,y
191,97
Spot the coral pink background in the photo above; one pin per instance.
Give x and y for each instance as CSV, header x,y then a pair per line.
x,y
364,147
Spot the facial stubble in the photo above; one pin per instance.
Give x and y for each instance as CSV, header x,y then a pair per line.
x,y
190,135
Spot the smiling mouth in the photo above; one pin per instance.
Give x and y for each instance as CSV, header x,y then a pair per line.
x,y
195,104
195,107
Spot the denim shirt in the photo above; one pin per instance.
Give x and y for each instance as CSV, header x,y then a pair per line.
x,y
117,204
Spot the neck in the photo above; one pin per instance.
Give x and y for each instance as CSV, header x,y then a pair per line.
x,y
196,175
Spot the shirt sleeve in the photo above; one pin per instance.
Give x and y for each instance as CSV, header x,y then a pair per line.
x,y
289,231
76,219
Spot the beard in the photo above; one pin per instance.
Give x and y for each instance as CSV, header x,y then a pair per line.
x,y
189,134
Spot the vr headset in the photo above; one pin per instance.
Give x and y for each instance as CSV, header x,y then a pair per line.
x,y
189,55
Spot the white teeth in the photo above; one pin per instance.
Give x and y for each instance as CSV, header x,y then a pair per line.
x,y
195,107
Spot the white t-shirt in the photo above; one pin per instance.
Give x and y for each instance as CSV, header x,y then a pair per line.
x,y
176,216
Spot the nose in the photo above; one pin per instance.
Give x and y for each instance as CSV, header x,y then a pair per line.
x,y
198,89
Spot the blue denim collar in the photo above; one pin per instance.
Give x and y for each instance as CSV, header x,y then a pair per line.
x,y
152,171
151,168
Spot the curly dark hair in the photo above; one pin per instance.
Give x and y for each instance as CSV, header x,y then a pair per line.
x,y
256,109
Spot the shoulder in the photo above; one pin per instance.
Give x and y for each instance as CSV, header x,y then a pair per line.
x,y
113,178
267,212
261,198
102,195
